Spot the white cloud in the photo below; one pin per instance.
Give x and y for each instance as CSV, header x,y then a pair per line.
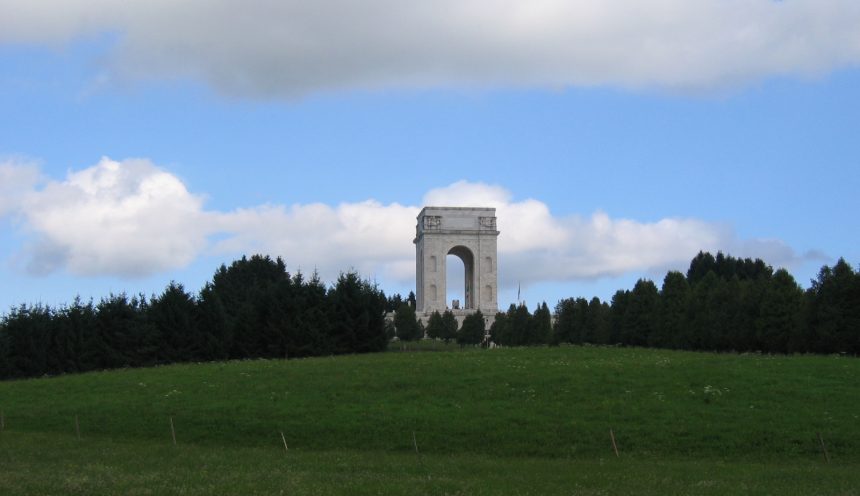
x,y
537,246
16,179
369,237
132,218
124,218
276,48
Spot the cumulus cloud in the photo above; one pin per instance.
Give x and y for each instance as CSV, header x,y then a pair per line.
x,y
538,246
16,180
369,237
125,218
132,218
277,48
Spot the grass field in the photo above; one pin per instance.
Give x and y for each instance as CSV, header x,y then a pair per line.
x,y
512,421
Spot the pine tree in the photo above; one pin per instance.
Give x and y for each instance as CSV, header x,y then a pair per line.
x,y
357,316
406,324
173,315
435,327
703,263
449,326
598,319
672,305
212,322
778,326
27,335
499,330
541,325
618,308
834,310
520,325
564,330
640,318
472,331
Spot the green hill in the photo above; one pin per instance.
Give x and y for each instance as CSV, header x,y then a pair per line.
x,y
539,407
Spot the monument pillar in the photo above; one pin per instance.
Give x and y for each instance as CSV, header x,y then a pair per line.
x,y
470,234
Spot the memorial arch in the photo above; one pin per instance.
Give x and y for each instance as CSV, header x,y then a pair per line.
x,y
469,234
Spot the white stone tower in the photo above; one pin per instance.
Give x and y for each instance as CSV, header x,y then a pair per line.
x,y
469,233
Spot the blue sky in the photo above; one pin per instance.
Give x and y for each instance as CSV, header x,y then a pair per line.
x,y
615,139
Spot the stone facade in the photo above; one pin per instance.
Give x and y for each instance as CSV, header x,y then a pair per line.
x,y
470,234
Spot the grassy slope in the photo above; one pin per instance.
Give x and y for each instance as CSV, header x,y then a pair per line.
x,y
492,411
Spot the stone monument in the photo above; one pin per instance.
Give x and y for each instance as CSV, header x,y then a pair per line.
x,y
470,234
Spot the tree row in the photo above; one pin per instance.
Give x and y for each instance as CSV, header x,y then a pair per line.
x,y
254,308
721,304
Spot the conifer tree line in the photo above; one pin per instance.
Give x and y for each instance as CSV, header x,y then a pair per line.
x,y
255,309
722,303
252,309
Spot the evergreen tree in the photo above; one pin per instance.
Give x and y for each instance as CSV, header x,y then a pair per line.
x,y
27,335
173,315
731,325
393,302
75,326
61,354
541,325
357,316
472,331
126,337
278,314
406,324
449,326
312,328
212,323
296,317
707,312
581,331
597,322
499,330
617,311
564,330
435,327
519,325
245,290
672,306
726,267
834,310
640,318
572,321
778,325
703,263
742,332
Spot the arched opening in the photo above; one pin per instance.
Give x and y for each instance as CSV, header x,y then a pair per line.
x,y
455,272
460,277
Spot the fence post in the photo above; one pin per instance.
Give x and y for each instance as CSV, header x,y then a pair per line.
x,y
823,448
172,431
614,446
